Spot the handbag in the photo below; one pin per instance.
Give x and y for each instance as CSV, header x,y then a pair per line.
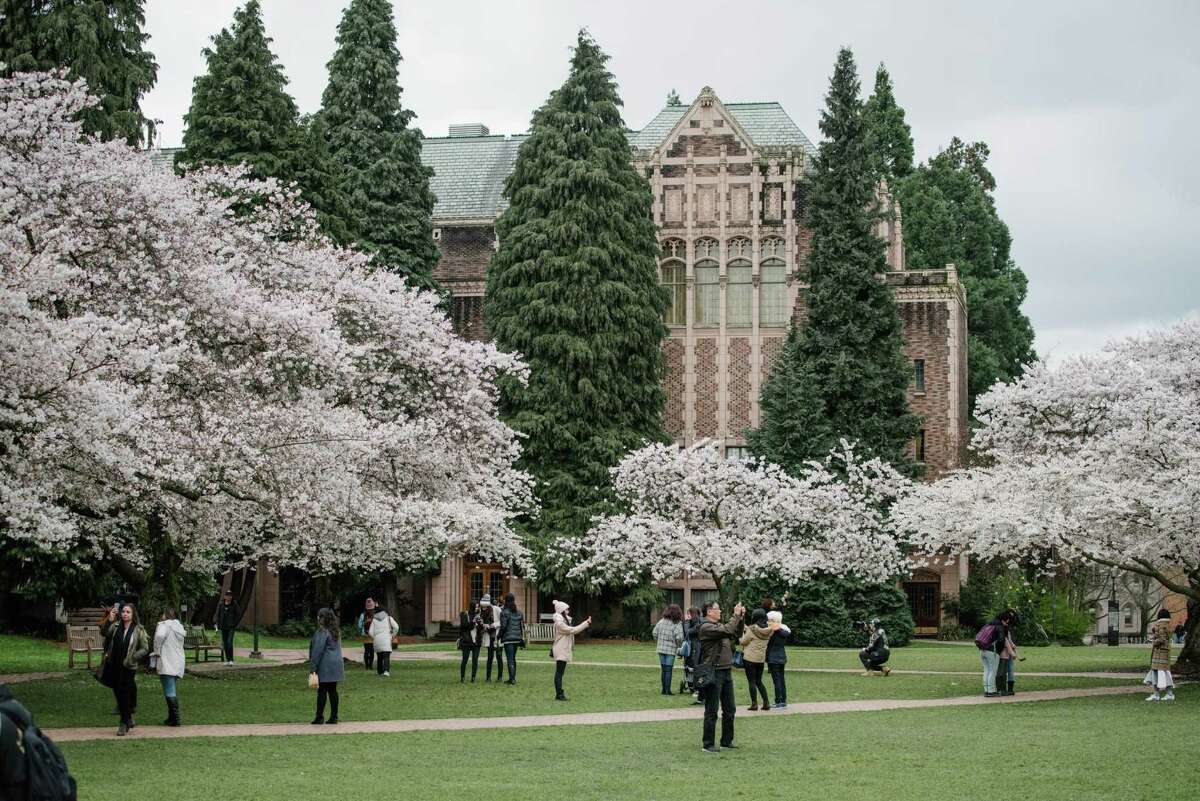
x,y
705,673
313,682
739,661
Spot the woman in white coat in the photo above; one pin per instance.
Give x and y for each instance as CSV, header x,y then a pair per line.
x,y
169,660
383,628
564,644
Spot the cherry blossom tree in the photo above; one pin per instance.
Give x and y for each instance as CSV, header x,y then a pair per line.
x,y
1097,460
689,510
192,377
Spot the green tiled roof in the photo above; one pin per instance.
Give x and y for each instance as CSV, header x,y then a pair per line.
x,y
468,174
164,157
765,123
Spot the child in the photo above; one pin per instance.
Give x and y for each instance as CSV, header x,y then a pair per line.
x,y
1159,676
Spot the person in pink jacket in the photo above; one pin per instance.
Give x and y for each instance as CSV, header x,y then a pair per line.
x,y
564,644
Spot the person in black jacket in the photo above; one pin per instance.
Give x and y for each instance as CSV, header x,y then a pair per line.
x,y
512,634
691,634
228,617
877,651
716,651
470,637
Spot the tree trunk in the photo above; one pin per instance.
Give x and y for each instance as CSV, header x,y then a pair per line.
x,y
1188,662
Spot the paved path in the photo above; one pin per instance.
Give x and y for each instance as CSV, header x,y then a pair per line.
x,y
578,719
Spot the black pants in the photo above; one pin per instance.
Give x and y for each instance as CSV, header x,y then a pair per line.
x,y
383,662
719,695
873,660
510,655
754,674
125,691
495,651
327,689
227,643
368,654
560,667
780,683
471,654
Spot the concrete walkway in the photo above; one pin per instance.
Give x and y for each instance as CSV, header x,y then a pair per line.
x,y
579,719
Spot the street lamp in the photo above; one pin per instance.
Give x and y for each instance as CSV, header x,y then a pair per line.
x,y
1114,612
254,652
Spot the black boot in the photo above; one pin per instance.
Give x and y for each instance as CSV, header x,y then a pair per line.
x,y
170,712
173,707
1011,691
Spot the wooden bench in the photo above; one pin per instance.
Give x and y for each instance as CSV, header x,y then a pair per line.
x,y
86,616
83,640
539,632
196,641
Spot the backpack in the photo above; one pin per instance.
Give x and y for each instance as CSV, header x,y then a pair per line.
x,y
47,778
985,637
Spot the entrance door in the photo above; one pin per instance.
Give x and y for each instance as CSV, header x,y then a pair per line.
x,y
480,579
925,604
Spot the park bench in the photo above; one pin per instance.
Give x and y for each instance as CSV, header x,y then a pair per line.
x,y
87,616
84,640
196,641
539,632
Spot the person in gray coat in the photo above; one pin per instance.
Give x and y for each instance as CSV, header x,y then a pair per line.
x,y
325,660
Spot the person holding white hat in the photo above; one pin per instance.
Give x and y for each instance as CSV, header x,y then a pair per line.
x,y
489,616
564,644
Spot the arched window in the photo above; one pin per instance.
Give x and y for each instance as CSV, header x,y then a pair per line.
x,y
674,280
772,289
772,248
739,248
738,293
673,249
707,249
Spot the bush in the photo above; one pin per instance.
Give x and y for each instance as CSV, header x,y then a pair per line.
x,y
955,632
821,612
988,593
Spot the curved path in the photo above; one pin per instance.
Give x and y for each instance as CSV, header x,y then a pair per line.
x,y
579,719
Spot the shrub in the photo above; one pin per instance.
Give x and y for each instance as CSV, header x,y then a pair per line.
x,y
822,611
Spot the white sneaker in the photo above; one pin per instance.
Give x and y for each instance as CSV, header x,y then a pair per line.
x,y
387,674
1169,697
1152,697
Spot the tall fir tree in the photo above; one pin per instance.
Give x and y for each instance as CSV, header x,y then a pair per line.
x,y
378,155
889,139
574,289
100,41
950,217
242,113
842,373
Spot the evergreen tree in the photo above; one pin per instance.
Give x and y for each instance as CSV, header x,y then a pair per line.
x,y
100,41
889,139
950,217
843,373
242,113
574,289
378,154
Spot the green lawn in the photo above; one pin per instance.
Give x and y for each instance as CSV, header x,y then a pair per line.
x,y
431,690
27,655
1100,749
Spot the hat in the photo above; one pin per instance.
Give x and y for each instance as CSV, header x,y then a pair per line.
x,y
560,607
775,616
486,600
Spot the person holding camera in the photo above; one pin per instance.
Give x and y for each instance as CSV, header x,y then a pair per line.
x,y
128,646
512,634
716,666
470,633
564,644
877,652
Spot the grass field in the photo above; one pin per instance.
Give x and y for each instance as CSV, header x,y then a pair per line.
x,y
1100,749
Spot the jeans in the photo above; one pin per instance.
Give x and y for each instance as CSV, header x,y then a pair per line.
x,y
124,690
168,685
666,663
383,662
473,655
873,660
754,674
991,662
327,689
719,694
560,667
368,654
495,652
227,643
510,655
780,683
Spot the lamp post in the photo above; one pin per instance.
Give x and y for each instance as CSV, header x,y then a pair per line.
x,y
255,653
1114,611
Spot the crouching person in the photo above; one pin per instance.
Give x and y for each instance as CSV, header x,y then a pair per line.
x,y
876,654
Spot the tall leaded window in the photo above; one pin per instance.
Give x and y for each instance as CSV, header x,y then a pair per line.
x,y
708,293
772,289
919,375
674,280
738,293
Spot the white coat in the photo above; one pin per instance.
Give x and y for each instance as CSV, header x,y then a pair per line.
x,y
168,646
564,638
491,631
383,628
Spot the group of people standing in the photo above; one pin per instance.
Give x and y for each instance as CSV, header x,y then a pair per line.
x,y
998,652
501,631
128,648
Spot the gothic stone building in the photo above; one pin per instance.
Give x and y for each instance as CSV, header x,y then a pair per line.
x,y
729,185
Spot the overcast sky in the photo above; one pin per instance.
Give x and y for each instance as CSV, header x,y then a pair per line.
x,y
1090,109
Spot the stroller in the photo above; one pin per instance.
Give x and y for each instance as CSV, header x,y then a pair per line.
x,y
687,685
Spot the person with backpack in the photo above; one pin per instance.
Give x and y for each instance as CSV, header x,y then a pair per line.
x,y
777,657
229,614
875,656
470,632
1006,673
668,639
168,658
1159,677
512,634
564,644
364,620
31,765
383,630
128,647
990,641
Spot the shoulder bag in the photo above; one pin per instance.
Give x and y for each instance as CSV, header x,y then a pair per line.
x,y
705,673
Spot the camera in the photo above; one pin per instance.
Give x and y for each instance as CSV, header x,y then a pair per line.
x,y
860,625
